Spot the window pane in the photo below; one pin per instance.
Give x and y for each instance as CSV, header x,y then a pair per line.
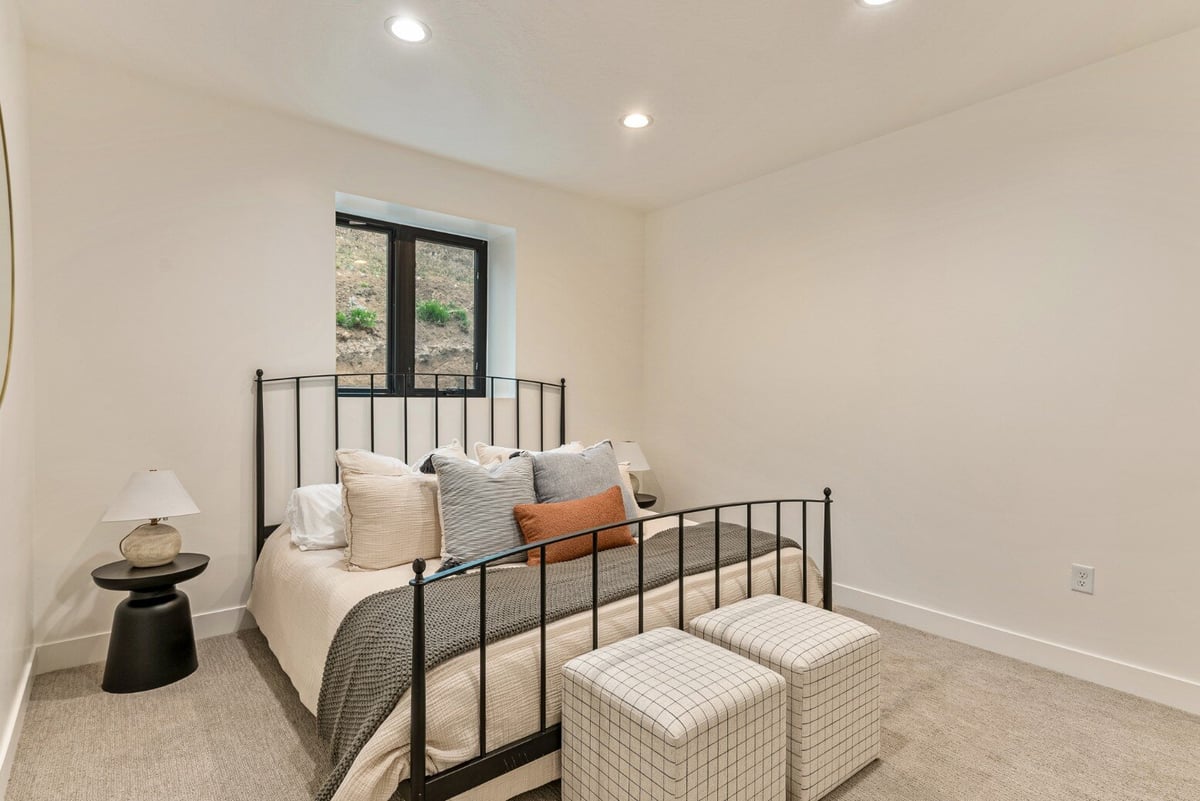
x,y
360,262
445,335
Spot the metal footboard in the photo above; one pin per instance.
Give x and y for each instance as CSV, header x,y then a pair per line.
x,y
492,763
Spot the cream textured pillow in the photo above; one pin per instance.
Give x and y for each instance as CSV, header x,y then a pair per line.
x,y
491,455
361,461
454,450
390,520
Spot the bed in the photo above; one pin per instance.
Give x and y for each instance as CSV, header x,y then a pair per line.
x,y
506,744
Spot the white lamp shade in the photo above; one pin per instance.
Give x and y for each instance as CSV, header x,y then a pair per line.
x,y
150,495
631,452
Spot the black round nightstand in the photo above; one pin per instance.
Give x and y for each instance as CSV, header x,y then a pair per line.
x,y
645,500
152,643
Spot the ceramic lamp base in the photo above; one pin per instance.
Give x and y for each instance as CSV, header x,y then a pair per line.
x,y
151,545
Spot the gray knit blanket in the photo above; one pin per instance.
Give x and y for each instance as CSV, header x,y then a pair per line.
x,y
369,665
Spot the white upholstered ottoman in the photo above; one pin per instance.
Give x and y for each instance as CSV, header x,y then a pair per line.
x,y
831,664
665,716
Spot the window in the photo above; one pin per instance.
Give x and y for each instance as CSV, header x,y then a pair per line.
x,y
410,302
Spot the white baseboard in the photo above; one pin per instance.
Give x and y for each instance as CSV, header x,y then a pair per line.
x,y
94,647
12,726
1145,682
1134,679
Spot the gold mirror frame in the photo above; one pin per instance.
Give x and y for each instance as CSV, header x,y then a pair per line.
x,y
12,260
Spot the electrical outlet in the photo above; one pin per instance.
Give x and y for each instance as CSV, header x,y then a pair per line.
x,y
1083,579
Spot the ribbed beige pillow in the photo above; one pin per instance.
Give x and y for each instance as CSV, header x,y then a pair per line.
x,y
361,461
390,520
491,455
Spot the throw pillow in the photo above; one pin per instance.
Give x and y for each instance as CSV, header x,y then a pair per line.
x,y
477,507
542,521
454,450
571,476
390,520
362,461
488,455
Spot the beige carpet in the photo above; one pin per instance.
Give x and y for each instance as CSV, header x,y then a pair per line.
x,y
958,724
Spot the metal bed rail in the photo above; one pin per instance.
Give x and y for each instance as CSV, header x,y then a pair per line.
x,y
491,763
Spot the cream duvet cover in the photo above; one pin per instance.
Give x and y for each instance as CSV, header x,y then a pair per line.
x,y
300,597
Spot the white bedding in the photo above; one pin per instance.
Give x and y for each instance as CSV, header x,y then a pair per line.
x,y
300,597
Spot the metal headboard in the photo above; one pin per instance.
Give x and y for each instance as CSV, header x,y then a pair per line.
x,y
447,388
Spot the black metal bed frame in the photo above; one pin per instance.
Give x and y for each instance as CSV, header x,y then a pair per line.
x,y
492,763
370,394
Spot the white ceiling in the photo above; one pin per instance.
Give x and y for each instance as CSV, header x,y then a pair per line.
x,y
535,87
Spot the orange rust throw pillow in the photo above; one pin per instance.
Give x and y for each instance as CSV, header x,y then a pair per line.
x,y
542,521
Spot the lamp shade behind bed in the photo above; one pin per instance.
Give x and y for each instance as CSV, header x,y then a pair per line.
x,y
629,451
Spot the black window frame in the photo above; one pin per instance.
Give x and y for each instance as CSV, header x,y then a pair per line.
x,y
402,316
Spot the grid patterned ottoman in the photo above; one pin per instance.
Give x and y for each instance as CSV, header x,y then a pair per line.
x,y
665,716
831,664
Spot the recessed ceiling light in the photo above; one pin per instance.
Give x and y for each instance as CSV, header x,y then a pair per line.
x,y
874,3
636,120
409,29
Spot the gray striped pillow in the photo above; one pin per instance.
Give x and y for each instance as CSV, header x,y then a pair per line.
x,y
477,507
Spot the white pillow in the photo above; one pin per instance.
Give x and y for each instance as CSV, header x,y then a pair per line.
x,y
390,520
492,455
314,515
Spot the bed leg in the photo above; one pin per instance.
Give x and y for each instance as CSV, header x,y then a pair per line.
x,y
417,692
827,601
260,511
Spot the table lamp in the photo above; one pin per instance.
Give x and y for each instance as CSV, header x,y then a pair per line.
x,y
628,451
152,495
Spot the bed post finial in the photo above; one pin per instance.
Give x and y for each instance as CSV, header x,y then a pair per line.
x,y
828,492
259,372
418,567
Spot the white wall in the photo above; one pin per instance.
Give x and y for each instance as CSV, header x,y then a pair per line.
x,y
982,333
184,241
979,331
17,411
